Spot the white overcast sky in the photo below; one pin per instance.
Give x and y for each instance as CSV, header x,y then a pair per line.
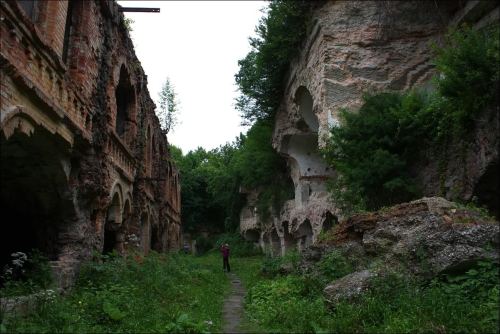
x,y
197,44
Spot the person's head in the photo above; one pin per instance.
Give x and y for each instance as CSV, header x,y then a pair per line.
x,y
226,245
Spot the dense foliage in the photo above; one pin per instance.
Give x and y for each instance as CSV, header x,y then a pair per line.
x,y
157,293
375,147
262,71
294,302
211,180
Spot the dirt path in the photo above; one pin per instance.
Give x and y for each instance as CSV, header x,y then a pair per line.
x,y
233,306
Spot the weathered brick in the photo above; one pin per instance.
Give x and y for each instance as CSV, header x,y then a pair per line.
x,y
119,189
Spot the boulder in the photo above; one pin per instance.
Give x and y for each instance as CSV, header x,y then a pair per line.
x,y
423,238
429,236
348,287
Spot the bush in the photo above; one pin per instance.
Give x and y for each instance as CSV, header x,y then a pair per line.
x,y
333,266
372,151
275,265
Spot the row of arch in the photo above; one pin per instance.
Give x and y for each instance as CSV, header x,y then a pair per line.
x,y
281,239
125,230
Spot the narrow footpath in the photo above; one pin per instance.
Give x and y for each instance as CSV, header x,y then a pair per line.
x,y
233,306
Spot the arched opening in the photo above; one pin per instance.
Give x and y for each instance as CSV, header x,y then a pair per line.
x,y
112,225
145,233
252,235
307,167
68,29
35,199
155,241
125,103
30,8
304,234
329,221
487,189
304,101
290,243
275,243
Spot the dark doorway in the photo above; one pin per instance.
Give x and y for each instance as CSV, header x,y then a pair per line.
x,y
34,197
112,225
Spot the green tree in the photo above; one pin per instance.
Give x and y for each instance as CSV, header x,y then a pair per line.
x,y
262,71
169,107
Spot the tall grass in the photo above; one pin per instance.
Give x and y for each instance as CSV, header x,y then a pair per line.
x,y
466,303
157,293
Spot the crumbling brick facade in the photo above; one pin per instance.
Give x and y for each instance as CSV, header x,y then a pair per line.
x,y
85,166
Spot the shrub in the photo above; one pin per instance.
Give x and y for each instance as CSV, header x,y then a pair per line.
x,y
372,150
333,266
275,265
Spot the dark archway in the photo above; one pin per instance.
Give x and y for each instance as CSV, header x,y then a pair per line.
x,y
125,103
487,189
155,241
35,199
290,243
304,234
329,222
252,235
112,225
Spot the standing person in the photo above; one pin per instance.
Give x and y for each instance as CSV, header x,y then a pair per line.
x,y
224,249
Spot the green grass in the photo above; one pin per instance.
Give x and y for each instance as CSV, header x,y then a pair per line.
x,y
466,303
183,293
158,293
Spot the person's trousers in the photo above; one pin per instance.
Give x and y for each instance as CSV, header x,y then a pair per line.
x,y
225,265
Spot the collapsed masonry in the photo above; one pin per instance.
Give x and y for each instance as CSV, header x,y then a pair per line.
x,y
85,166
356,47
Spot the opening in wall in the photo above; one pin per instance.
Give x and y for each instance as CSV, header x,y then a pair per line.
x,y
35,199
125,103
68,30
30,8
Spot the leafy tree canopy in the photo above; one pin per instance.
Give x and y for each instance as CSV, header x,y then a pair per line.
x,y
211,180
262,71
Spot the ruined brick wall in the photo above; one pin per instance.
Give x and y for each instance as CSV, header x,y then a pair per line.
x,y
355,47
76,114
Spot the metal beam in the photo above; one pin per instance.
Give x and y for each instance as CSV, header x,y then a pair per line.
x,y
139,10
